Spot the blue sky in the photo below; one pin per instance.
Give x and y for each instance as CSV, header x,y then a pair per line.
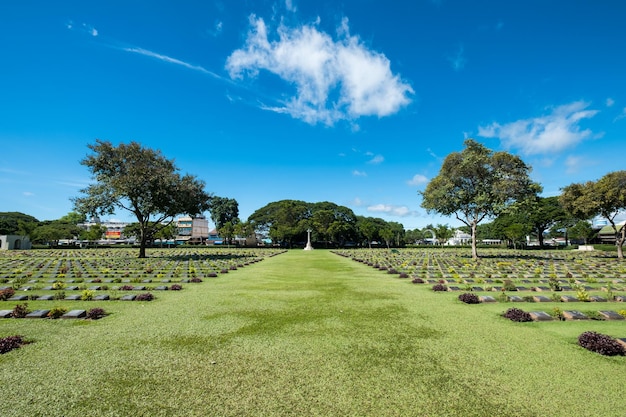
x,y
355,102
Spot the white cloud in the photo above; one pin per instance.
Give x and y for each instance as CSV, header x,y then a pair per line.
x,y
83,28
609,102
554,132
290,6
621,115
391,210
417,180
334,79
28,194
357,202
171,60
377,159
357,173
458,60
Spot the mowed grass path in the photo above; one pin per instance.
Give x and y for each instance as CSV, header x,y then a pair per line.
x,y
306,334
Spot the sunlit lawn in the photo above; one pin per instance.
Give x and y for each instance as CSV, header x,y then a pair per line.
x,y
306,334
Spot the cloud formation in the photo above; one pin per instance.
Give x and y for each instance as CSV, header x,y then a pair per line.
x,y
553,132
334,79
171,60
391,210
376,159
417,180
358,173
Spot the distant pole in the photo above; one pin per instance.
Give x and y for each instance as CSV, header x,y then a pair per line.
x,y
308,243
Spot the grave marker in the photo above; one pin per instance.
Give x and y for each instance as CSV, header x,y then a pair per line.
x,y
5,314
574,315
38,314
540,316
610,315
74,314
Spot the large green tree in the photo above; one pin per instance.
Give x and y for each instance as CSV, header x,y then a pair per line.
x,y
10,222
141,181
478,183
224,210
605,198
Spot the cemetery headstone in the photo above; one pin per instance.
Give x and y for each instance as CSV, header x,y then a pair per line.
x,y
540,316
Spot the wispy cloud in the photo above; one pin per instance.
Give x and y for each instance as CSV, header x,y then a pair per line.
x,y
458,60
334,79
28,194
358,173
376,160
554,132
609,102
357,202
290,6
391,210
417,180
620,116
171,60
83,27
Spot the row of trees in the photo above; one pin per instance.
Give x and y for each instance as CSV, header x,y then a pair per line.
x,y
478,184
473,185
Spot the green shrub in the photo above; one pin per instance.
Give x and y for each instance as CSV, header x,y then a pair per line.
x,y
20,311
87,295
57,312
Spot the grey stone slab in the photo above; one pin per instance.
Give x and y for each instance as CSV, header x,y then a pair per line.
x,y
542,289
38,314
522,288
166,280
25,289
102,297
541,299
146,281
5,314
139,288
477,289
610,315
48,288
497,289
597,299
540,316
45,298
72,288
486,299
566,288
621,341
161,288
621,298
33,281
74,314
569,299
18,298
128,297
454,288
516,299
574,315
95,288
73,297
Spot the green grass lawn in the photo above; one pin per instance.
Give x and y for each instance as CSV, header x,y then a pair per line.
x,y
307,334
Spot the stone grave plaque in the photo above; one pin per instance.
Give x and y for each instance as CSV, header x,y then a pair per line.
x,y
146,281
73,297
38,314
18,298
540,316
161,288
486,299
25,289
542,288
72,288
597,299
621,341
139,288
102,297
516,299
497,289
521,288
569,299
74,314
574,315
477,289
70,281
541,299
45,298
469,281
95,288
5,314
33,281
566,288
610,315
526,281
128,297
48,288
166,280
620,298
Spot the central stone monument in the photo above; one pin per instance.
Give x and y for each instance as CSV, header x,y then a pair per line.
x,y
308,243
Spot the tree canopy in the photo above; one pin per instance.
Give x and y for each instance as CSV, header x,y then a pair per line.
x,y
605,198
478,183
224,210
141,181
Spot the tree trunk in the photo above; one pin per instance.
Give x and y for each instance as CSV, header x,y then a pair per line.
x,y
142,242
540,238
474,250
